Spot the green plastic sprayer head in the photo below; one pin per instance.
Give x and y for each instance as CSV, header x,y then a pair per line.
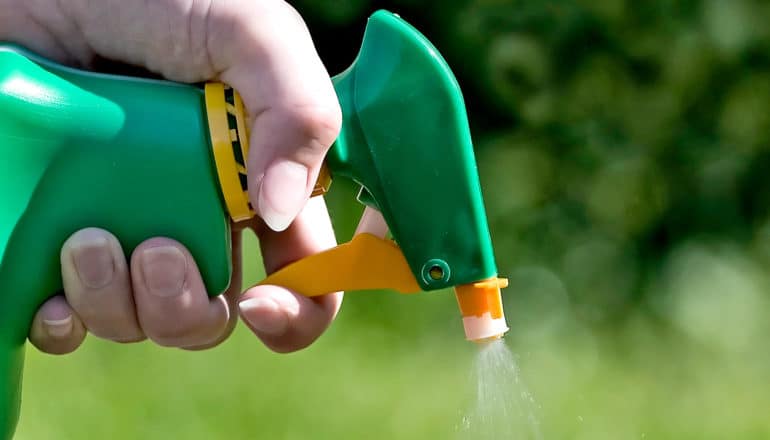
x,y
407,141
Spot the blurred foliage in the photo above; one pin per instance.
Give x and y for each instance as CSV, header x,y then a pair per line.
x,y
624,150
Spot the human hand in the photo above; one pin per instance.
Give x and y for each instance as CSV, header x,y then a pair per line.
x,y
263,50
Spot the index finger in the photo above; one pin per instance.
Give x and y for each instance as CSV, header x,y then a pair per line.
x,y
284,320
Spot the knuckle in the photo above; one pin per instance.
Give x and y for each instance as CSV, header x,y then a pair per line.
x,y
319,124
291,344
285,349
201,346
200,328
119,336
181,332
172,335
57,347
291,12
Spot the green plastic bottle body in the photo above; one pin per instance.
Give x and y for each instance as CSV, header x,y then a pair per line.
x,y
130,156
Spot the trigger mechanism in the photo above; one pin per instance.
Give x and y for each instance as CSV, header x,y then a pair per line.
x,y
369,261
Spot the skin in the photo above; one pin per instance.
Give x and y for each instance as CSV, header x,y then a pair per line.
x,y
263,49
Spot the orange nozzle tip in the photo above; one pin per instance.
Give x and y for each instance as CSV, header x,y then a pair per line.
x,y
481,298
481,305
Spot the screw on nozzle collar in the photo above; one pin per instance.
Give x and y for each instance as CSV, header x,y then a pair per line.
x,y
230,144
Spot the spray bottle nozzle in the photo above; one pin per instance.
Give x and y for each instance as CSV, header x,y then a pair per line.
x,y
481,305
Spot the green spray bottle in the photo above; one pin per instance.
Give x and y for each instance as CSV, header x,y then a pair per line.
x,y
144,158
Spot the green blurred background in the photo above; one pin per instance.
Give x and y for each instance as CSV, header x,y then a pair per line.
x,y
623,149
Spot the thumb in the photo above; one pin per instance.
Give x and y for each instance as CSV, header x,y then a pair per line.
x,y
288,148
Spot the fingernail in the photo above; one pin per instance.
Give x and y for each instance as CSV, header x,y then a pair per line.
x,y
164,270
265,316
282,193
58,328
93,262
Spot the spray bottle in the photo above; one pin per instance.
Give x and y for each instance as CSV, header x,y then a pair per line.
x,y
137,156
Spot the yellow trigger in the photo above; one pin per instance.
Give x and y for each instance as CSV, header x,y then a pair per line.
x,y
366,262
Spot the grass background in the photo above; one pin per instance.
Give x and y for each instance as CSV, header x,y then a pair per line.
x,y
623,149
